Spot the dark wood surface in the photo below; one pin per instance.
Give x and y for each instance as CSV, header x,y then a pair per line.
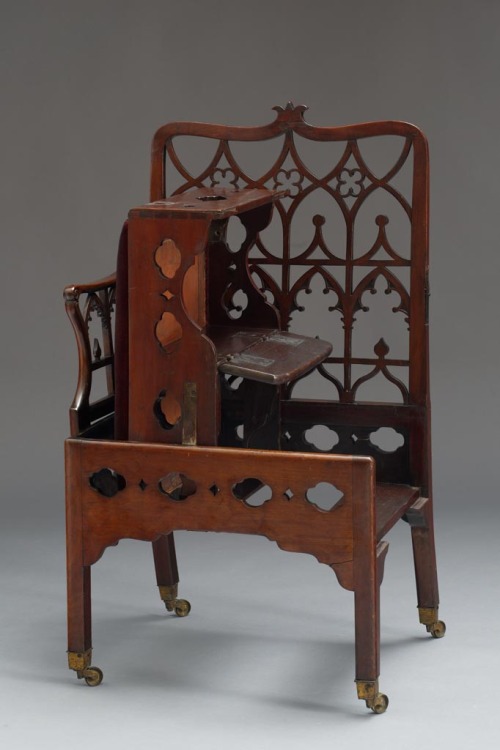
x,y
392,501
269,356
213,202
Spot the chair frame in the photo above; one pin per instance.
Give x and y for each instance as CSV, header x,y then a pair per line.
x,y
114,483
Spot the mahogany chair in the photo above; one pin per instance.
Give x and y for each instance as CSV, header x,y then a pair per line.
x,y
218,413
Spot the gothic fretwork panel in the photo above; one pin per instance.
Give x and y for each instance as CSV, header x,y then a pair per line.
x,y
338,253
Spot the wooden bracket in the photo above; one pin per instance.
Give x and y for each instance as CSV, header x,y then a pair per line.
x,y
416,514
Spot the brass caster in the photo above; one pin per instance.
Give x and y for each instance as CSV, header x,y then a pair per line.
x,y
379,704
437,629
429,617
92,675
181,607
168,594
368,691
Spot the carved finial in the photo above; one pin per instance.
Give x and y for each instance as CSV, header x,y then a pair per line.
x,y
97,350
381,349
291,112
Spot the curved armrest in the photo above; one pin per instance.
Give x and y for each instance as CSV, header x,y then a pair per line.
x,y
99,297
73,291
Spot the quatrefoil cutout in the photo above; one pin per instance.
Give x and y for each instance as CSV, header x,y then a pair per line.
x,y
324,496
350,183
168,258
168,331
107,482
321,437
177,486
167,410
252,491
387,439
289,179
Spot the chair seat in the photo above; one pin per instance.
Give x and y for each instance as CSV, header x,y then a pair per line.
x,y
266,355
393,500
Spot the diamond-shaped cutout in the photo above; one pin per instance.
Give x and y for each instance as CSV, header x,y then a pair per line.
x,y
288,494
214,490
168,294
142,485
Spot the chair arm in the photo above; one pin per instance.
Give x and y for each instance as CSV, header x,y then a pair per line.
x,y
73,291
99,296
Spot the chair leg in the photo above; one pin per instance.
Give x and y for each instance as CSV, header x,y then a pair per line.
x,y
262,416
420,518
167,575
80,625
367,630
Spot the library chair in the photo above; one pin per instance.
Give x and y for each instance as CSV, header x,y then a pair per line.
x,y
222,407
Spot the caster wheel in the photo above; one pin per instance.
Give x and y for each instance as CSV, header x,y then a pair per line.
x,y
93,676
437,629
380,703
182,608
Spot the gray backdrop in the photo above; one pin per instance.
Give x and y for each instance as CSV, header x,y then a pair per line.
x,y
85,84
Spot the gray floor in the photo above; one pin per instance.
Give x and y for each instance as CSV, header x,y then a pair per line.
x,y
265,659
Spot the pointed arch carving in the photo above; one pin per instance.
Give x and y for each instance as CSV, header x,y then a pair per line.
x,y
367,284
348,182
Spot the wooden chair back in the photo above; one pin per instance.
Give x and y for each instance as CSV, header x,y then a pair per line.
x,y
331,236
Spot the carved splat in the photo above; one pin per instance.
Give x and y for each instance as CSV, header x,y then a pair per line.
x,y
316,229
